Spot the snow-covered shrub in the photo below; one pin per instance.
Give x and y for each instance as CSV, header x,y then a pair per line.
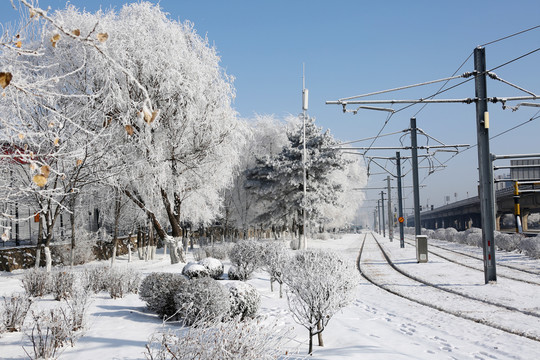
x,y
246,258
449,234
320,283
473,237
158,291
95,278
323,236
232,273
219,251
260,339
428,232
122,281
245,299
194,270
202,299
14,309
199,254
439,234
275,257
77,307
50,331
36,282
507,242
62,284
531,246
213,266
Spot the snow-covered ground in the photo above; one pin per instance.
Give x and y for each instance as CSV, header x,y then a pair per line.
x,y
376,325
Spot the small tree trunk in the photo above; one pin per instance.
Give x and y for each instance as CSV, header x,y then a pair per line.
x,y
281,290
72,221
129,248
152,242
48,259
319,335
164,249
146,246
174,252
39,242
310,348
117,208
271,284
139,243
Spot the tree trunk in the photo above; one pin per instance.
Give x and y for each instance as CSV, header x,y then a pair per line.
x,y
48,259
157,225
129,247
117,208
319,335
72,221
49,220
151,242
172,215
281,289
39,242
139,243
310,348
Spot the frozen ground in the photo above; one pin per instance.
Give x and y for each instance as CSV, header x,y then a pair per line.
x,y
377,325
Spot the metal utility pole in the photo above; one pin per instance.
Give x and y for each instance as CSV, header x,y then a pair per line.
x,y
383,222
375,220
390,217
400,200
416,186
379,216
485,169
304,155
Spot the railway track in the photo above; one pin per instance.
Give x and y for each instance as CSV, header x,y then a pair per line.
x,y
504,270
376,266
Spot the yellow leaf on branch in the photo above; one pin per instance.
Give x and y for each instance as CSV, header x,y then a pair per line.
x,y
76,32
79,162
45,171
5,79
39,180
18,44
102,37
55,39
129,129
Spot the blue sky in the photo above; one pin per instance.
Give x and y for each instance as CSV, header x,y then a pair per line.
x,y
356,47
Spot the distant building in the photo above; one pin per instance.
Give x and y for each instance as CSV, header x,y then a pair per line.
x,y
502,184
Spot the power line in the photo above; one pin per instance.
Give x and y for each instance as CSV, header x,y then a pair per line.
x,y
516,59
509,36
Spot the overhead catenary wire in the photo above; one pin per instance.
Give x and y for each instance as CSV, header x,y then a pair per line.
x,y
406,87
511,35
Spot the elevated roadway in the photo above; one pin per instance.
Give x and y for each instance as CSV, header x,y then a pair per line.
x,y
465,214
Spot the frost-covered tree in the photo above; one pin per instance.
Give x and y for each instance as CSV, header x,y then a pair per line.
x,y
352,178
245,256
279,179
320,283
53,142
164,93
275,257
266,137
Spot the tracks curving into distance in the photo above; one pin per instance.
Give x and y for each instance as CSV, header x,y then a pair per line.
x,y
381,272
512,273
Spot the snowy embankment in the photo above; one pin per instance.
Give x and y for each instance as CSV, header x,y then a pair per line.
x,y
376,325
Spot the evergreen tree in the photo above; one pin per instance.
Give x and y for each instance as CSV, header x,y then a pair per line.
x,y
278,179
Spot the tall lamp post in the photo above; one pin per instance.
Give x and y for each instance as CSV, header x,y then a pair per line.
x,y
304,156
